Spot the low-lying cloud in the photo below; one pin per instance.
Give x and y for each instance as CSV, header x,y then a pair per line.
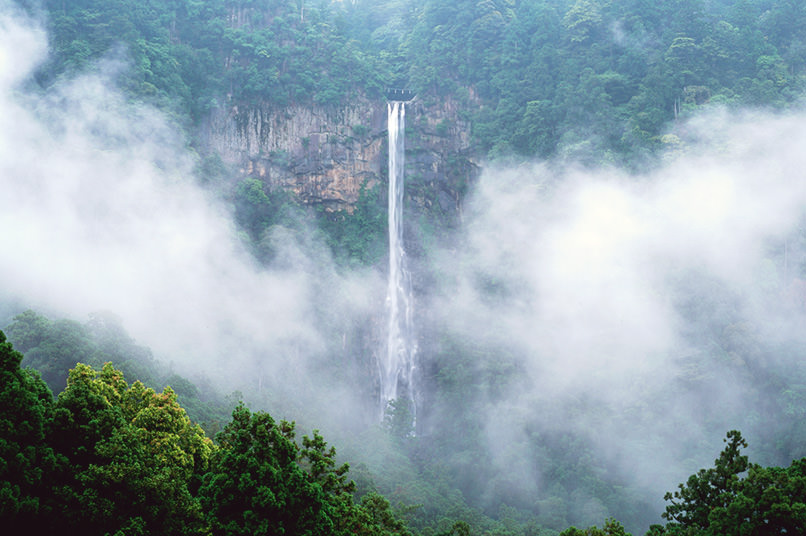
x,y
615,289
101,211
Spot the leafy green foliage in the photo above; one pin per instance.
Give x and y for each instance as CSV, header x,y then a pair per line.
x,y
266,217
53,347
110,458
320,464
256,486
738,497
262,482
611,528
60,342
187,54
26,458
105,457
377,517
357,237
588,75
131,457
709,488
537,77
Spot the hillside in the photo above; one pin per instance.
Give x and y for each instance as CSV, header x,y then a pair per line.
x,y
603,224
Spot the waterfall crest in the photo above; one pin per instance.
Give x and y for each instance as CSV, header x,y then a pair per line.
x,y
397,365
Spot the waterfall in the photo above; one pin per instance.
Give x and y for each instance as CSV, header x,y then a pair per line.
x,y
397,362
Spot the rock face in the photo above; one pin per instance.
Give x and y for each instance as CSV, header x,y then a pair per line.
x,y
325,154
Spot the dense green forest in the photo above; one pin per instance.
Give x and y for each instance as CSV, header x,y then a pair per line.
x,y
583,79
587,82
106,457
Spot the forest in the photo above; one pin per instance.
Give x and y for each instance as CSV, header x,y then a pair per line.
x,y
540,78
108,457
609,327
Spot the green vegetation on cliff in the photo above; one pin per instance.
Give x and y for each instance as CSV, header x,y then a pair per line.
x,y
580,79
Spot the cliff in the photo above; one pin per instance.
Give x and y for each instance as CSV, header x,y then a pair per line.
x,y
325,154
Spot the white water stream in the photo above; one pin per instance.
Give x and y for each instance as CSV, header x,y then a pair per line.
x,y
397,365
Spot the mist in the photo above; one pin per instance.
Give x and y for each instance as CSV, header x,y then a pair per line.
x,y
102,212
639,311
644,312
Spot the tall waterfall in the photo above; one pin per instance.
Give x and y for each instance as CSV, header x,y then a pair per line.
x,y
397,365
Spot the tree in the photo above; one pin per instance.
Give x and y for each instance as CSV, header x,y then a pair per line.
x,y
320,463
53,347
738,497
538,128
26,410
255,485
28,330
376,518
772,500
261,482
134,458
582,20
611,528
109,458
59,346
710,488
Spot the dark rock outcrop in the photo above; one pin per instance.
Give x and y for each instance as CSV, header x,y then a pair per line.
x,y
325,154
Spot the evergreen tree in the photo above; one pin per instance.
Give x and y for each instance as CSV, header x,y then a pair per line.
x,y
738,497
255,485
26,459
